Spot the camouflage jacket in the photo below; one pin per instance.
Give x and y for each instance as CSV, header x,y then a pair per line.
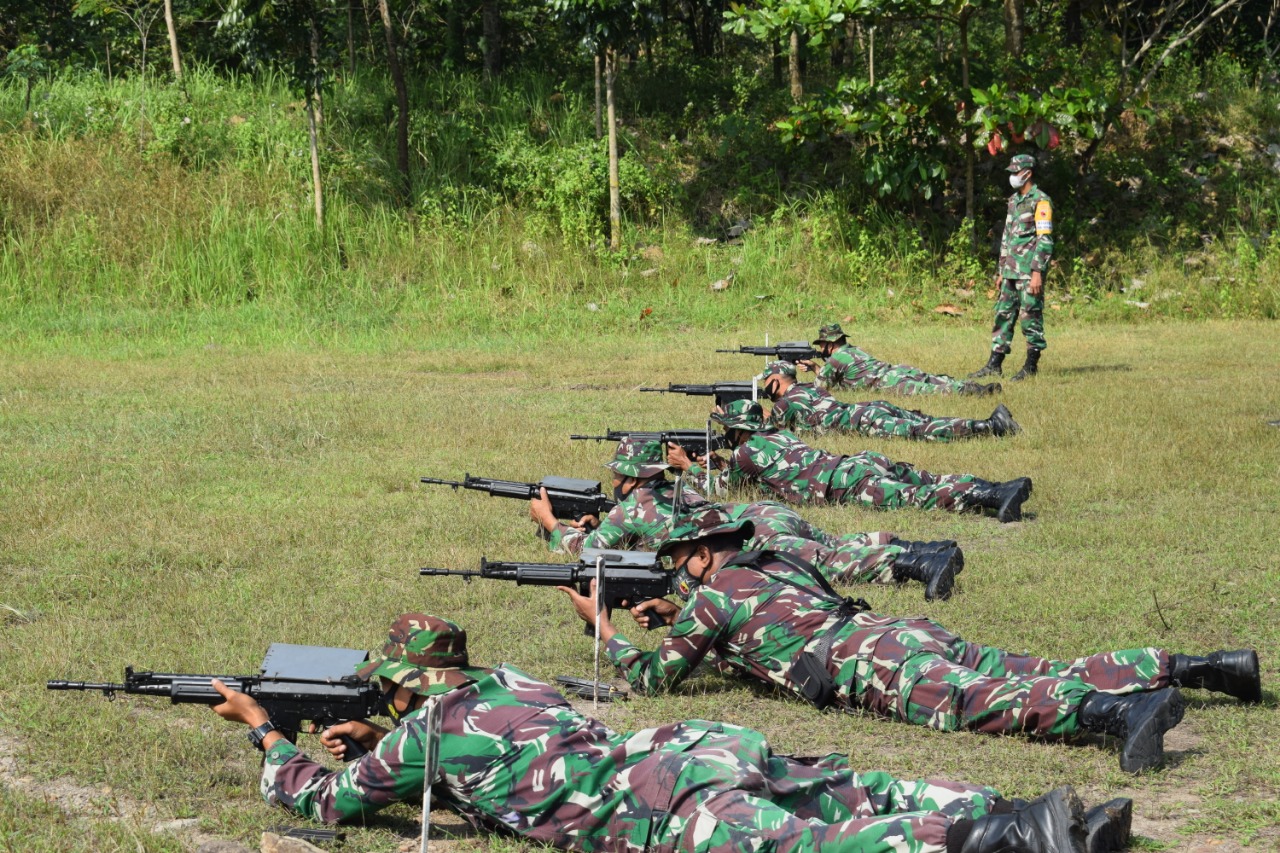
x,y
1027,244
851,367
781,464
773,520
515,755
640,522
808,407
756,619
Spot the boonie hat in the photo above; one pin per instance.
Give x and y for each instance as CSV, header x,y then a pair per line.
x,y
706,520
741,414
830,334
1021,163
635,458
778,368
423,653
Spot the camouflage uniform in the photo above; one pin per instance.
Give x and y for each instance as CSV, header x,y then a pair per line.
x,y
785,466
850,367
807,407
639,522
911,670
1025,247
514,755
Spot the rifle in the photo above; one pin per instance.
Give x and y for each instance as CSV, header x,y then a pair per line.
x,y
570,498
724,392
791,351
295,683
693,441
631,576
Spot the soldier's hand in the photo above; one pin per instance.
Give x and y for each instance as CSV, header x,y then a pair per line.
x,y
540,511
586,610
655,611
677,457
805,366
1037,283
363,732
586,523
238,707
997,280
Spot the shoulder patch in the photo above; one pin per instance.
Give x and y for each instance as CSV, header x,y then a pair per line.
x,y
1044,217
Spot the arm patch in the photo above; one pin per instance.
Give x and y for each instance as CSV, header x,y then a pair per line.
x,y
1044,217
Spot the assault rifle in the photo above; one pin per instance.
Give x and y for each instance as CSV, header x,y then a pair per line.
x,y
724,392
630,576
791,351
295,683
570,498
697,441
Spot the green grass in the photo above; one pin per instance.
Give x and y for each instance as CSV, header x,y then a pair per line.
x,y
179,490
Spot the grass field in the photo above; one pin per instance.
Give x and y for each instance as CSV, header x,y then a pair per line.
x,y
180,506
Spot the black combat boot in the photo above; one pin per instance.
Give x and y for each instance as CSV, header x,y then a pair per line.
x,y
935,568
991,368
1233,673
1029,368
1107,826
1140,718
1005,498
977,389
1000,423
1053,823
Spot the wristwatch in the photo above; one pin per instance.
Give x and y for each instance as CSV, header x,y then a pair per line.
x,y
257,734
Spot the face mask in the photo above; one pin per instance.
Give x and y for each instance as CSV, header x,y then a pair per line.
x,y
685,583
392,711
618,496
1017,181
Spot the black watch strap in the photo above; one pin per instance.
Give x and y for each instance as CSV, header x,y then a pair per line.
x,y
256,735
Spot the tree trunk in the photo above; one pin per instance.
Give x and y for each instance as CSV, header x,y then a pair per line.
x,y
1072,27
402,96
455,48
970,157
173,40
491,14
317,97
351,39
599,101
313,119
871,56
776,50
615,193
1014,27
797,88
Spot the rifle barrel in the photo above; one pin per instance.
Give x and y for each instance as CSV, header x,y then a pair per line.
x,y
83,685
430,571
453,483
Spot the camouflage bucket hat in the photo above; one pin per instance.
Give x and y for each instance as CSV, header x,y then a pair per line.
x,y
1021,163
638,458
830,334
706,520
423,653
741,414
778,368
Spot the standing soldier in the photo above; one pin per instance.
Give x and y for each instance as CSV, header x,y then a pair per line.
x,y
1025,250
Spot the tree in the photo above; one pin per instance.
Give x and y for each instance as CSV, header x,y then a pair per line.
x,y
173,39
402,96
26,63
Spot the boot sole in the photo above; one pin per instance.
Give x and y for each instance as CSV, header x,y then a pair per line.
x,y
1251,692
1011,509
1144,747
1108,826
1064,830
939,587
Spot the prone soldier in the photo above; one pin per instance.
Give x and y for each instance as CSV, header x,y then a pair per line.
x,y
848,366
646,501
785,466
512,755
804,407
754,610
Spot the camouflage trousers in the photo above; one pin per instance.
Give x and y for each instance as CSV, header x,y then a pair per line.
x,y
876,480
733,795
1015,303
916,671
882,419
849,559
911,381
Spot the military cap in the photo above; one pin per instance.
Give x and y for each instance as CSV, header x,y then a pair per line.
x,y
706,520
1021,163
830,334
636,458
425,654
741,414
778,368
